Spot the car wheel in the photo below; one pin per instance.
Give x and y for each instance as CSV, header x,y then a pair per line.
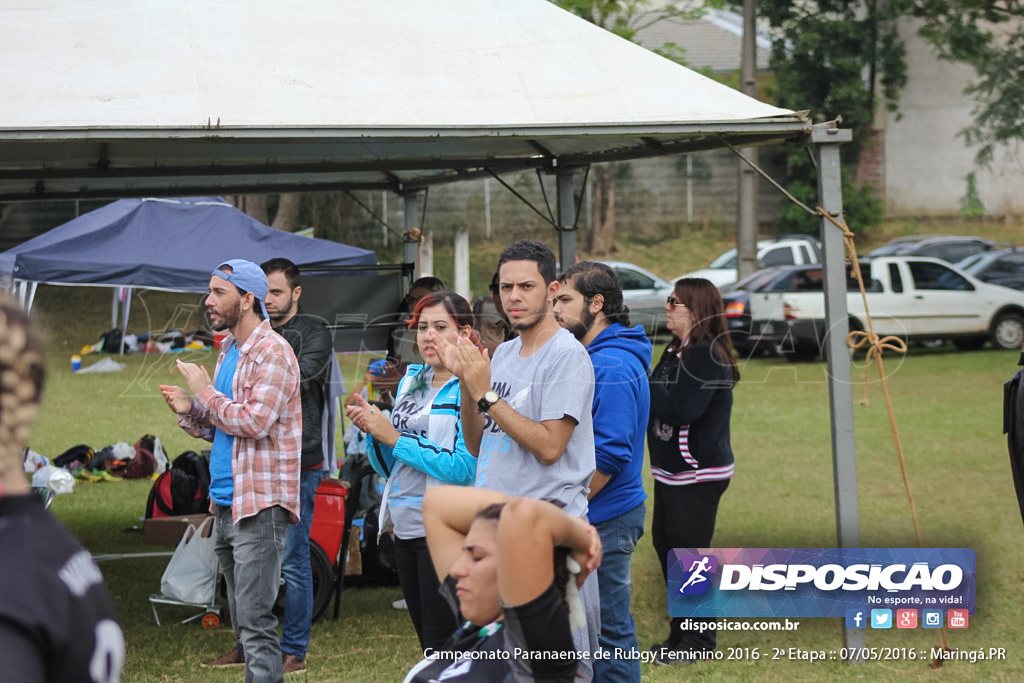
x,y
323,583
1008,331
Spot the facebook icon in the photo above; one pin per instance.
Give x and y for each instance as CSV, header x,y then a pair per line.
x,y
855,618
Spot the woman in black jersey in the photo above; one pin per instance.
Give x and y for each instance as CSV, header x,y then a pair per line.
x,y
688,436
56,620
506,561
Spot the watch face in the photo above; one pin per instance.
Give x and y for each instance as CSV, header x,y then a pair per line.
x,y
491,397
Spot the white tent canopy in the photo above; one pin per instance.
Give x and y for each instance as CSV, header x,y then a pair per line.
x,y
143,97
129,98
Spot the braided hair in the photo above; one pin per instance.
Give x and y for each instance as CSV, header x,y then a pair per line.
x,y
22,372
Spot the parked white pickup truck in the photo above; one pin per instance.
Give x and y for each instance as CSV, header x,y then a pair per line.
x,y
912,297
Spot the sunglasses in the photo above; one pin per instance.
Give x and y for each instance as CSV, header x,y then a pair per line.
x,y
675,302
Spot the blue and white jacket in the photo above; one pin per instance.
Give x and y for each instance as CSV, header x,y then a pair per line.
x,y
416,462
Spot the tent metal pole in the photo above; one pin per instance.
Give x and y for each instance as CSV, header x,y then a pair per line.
x,y
115,308
411,233
125,310
30,295
827,138
566,219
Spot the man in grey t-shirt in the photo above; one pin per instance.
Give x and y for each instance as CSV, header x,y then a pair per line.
x,y
528,414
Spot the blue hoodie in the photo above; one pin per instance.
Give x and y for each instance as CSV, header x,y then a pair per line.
x,y
622,401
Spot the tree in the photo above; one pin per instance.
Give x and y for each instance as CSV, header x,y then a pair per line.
x,y
286,217
988,35
623,18
835,57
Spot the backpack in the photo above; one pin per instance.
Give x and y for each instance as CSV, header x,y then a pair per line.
x,y
182,490
1013,427
80,453
142,465
378,554
111,341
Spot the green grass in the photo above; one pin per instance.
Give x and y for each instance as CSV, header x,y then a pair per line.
x,y
948,405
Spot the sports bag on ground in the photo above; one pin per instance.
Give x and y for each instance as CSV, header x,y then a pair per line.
x,y
182,490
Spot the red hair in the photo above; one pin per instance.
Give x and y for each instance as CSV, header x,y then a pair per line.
x,y
457,308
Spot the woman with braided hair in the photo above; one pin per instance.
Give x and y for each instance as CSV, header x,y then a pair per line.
x,y
56,620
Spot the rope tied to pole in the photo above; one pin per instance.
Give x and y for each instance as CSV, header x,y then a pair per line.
x,y
875,347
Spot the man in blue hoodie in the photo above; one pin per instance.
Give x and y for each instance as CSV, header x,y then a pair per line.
x,y
589,304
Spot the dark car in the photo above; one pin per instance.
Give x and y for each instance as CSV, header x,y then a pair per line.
x,y
1001,267
737,301
949,248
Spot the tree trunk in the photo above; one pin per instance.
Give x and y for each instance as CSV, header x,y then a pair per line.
x,y
287,217
602,236
253,204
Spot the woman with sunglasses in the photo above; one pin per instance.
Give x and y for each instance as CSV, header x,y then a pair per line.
x,y
688,437
420,446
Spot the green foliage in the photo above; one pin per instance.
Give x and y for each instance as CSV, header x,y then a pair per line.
x,y
988,36
971,205
832,57
625,17
825,48
861,209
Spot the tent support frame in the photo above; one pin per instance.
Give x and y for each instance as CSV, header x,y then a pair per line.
x,y
826,138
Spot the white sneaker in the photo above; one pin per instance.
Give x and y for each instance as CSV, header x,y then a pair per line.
x,y
400,604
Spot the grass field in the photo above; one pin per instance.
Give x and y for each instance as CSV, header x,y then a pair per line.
x,y
948,405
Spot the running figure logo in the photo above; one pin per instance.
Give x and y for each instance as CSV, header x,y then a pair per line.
x,y
696,580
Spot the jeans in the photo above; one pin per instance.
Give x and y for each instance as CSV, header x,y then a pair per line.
x,y
619,536
296,572
250,559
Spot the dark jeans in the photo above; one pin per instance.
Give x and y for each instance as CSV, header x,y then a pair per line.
x,y
431,615
618,630
296,572
684,517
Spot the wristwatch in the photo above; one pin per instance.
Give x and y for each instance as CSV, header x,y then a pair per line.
x,y
488,400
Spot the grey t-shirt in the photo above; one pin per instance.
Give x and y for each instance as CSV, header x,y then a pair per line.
x,y
555,381
411,415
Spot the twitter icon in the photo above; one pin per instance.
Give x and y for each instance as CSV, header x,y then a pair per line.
x,y
881,618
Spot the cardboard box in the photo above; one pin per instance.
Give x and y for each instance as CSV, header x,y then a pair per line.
x,y
169,530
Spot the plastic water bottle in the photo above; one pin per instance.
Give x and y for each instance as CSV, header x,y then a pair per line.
x,y
76,363
377,368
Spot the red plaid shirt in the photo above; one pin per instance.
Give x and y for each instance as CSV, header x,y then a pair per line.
x,y
265,418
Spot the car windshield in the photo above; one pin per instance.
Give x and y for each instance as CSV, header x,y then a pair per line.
x,y
726,260
753,282
975,263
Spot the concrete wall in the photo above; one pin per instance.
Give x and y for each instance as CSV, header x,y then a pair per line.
x,y
925,162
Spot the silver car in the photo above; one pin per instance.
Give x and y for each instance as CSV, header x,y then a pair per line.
x,y
645,294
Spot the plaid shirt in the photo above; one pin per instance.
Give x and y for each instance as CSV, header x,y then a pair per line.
x,y
265,418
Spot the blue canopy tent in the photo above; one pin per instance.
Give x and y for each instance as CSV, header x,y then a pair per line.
x,y
164,244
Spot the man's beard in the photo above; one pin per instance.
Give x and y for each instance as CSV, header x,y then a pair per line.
x,y
281,315
229,319
531,321
586,321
